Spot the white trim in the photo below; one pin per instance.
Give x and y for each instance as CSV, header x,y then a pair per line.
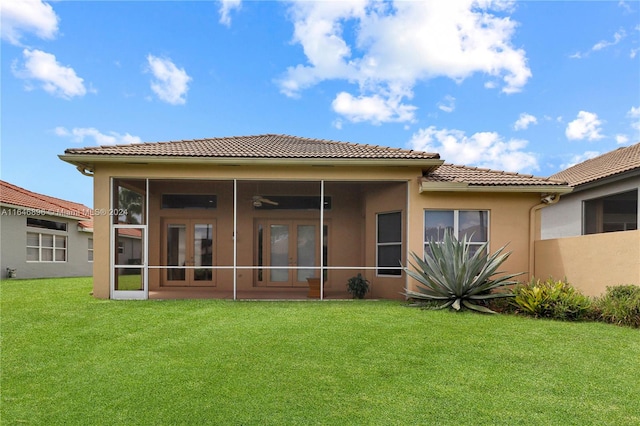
x,y
321,232
456,225
53,248
235,239
144,264
408,236
112,260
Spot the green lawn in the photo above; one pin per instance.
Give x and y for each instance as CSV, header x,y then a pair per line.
x,y
70,359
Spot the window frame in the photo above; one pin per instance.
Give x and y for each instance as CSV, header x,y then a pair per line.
x,y
54,248
386,270
456,226
90,250
595,208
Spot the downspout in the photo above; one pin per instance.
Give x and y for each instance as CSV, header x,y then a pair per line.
x,y
545,201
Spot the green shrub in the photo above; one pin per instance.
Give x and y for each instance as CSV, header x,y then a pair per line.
x,y
358,286
552,299
619,305
454,278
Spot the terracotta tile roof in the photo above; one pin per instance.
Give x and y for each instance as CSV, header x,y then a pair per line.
x,y
259,146
606,165
474,176
129,232
13,195
86,224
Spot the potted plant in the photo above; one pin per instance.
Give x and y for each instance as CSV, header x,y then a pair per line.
x,y
358,286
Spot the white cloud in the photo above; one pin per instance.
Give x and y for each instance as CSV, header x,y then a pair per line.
x,y
483,149
625,6
622,139
78,134
579,158
397,44
448,104
634,115
27,16
586,126
619,35
524,121
54,78
226,6
171,83
376,108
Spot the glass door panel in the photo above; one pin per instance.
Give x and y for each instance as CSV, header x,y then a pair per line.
x,y
129,280
189,248
176,251
291,243
279,253
203,253
306,252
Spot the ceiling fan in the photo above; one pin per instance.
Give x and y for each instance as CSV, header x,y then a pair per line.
x,y
258,200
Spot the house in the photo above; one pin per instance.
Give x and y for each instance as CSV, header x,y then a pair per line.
x,y
591,235
604,196
257,216
43,236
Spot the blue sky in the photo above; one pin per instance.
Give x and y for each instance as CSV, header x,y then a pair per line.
x,y
526,86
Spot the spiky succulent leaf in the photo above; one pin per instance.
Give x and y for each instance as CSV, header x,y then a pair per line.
x,y
450,273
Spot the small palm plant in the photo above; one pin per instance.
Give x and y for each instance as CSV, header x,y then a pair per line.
x,y
455,278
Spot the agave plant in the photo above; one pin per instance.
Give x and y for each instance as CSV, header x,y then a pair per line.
x,y
450,274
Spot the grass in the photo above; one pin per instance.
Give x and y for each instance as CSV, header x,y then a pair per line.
x,y
68,358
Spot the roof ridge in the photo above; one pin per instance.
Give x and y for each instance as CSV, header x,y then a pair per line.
x,y
261,145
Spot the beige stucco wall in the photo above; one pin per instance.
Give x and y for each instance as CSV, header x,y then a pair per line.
x,y
508,220
352,219
591,262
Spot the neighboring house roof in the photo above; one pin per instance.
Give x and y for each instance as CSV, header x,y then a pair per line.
x,y
614,163
450,177
255,147
86,225
17,197
130,233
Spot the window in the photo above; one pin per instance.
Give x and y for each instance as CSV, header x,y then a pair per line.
x,y
120,247
472,223
129,201
389,243
90,250
46,247
618,212
189,201
46,224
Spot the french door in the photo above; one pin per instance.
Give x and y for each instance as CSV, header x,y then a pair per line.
x,y
188,252
290,243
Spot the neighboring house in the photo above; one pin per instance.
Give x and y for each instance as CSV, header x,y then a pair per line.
x,y
256,216
42,236
604,197
590,236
